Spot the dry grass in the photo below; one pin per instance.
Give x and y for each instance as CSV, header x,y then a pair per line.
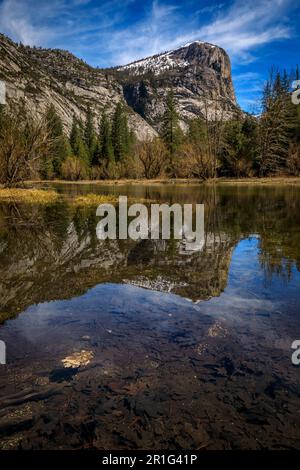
x,y
40,196
93,200
30,196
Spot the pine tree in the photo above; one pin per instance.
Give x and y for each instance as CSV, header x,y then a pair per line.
x,y
46,167
296,111
197,131
171,132
106,153
126,134
61,148
132,140
233,145
74,135
250,132
78,145
66,150
120,134
274,126
90,137
54,121
55,131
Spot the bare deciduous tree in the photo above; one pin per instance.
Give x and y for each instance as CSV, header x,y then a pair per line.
x,y
199,155
194,162
24,141
153,156
213,136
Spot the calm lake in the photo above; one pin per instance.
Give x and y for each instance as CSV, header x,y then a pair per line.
x,y
123,344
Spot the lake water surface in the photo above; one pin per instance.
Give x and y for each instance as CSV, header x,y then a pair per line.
x,y
127,344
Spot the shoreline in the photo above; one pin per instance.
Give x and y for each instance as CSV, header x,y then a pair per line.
x,y
280,180
44,191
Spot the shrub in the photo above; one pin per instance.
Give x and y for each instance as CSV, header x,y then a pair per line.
x,y
24,142
74,169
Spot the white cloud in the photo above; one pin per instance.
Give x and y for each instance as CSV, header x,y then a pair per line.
x,y
98,32
16,22
248,24
246,76
239,29
210,8
52,23
248,83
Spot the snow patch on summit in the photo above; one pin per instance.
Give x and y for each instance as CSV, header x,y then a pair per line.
x,y
156,64
161,62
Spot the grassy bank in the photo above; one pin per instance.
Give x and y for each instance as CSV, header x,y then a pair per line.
x,y
30,196
93,200
44,196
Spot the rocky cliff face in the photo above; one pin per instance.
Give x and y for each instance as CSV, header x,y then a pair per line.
x,y
43,76
199,74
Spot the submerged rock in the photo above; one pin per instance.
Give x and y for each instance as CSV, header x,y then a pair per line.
x,y
82,358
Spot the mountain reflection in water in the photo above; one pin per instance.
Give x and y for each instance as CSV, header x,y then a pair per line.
x,y
179,350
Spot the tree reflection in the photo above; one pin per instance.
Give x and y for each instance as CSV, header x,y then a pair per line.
x,y
52,252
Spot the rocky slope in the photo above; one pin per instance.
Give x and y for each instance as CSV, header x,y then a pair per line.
x,y
199,74
43,76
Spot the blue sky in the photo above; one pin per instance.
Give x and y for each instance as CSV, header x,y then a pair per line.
x,y
256,34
